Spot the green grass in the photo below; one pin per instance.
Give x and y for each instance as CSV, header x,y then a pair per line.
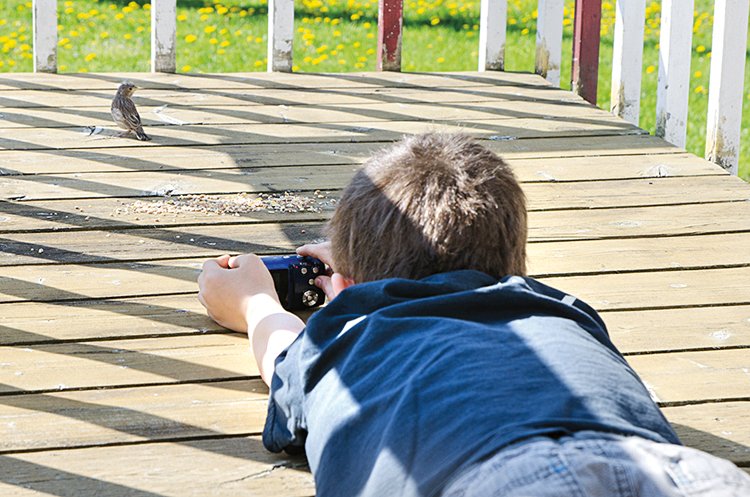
x,y
339,36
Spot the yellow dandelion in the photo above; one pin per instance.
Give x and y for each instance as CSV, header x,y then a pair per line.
x,y
700,49
258,63
140,29
224,44
258,39
356,44
190,38
342,62
525,31
370,36
119,16
650,69
104,34
354,17
128,36
337,33
73,33
213,41
435,21
209,29
182,18
699,89
697,74
221,51
186,68
440,60
89,57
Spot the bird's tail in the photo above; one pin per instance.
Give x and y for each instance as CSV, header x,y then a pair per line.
x,y
141,135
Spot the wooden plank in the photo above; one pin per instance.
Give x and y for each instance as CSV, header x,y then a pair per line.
x,y
721,429
665,330
280,35
390,33
585,67
224,467
129,273
696,376
657,290
675,41
97,319
163,35
44,21
627,60
638,254
361,131
725,91
22,99
541,195
255,80
493,16
148,361
49,117
127,415
264,155
549,34
698,219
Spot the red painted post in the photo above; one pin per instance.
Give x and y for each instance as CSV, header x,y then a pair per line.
x,y
390,23
585,71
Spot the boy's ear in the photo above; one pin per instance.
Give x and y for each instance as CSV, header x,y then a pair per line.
x,y
339,282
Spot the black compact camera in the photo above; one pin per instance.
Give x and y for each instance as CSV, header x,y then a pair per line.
x,y
294,280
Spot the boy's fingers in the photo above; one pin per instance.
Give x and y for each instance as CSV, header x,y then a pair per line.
x,y
223,261
324,283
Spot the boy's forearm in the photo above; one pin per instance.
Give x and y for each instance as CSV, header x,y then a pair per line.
x,y
271,329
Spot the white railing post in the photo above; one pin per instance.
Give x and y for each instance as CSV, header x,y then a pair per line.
x,y
492,23
726,83
549,32
163,35
45,35
280,35
627,58
674,70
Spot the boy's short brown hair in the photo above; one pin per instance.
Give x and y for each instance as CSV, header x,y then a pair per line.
x,y
429,204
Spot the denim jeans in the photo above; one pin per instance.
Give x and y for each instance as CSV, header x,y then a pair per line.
x,y
591,464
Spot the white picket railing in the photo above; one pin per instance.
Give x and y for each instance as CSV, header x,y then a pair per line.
x,y
727,64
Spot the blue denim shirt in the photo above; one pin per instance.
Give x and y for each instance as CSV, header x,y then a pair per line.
x,y
398,384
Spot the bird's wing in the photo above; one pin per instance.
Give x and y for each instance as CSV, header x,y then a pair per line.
x,y
129,112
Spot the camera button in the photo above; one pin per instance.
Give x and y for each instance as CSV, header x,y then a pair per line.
x,y
303,270
311,282
315,270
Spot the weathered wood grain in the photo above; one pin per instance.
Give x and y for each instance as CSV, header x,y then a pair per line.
x,y
265,155
721,429
138,414
360,131
225,467
541,195
290,96
164,115
696,376
148,361
260,80
653,290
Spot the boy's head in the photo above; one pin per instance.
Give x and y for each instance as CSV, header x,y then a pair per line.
x,y
429,204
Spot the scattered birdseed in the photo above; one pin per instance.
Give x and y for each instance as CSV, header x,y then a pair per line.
x,y
286,202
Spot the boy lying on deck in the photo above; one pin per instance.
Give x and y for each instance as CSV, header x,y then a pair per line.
x,y
437,367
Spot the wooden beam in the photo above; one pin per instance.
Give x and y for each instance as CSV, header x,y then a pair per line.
x,y
280,35
549,33
390,30
163,35
586,33
725,96
674,70
492,25
45,35
627,59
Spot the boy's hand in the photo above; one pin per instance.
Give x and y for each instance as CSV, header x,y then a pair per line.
x,y
229,286
321,251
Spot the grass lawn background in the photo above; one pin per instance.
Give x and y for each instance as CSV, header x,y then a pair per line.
x,y
340,36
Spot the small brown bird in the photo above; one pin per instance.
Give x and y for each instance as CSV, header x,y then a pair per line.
x,y
124,112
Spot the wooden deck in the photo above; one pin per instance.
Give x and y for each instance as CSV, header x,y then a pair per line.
x,y
113,381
